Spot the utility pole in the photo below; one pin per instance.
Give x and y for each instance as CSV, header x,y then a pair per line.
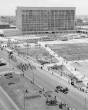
x,y
25,93
9,55
24,98
85,102
27,47
22,69
23,89
33,77
33,73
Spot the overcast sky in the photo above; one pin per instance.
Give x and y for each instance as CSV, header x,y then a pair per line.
x,y
8,7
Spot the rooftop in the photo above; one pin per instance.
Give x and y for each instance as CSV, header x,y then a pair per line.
x,y
43,8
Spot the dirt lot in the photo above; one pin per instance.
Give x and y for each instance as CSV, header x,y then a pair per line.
x,y
37,53
32,51
77,51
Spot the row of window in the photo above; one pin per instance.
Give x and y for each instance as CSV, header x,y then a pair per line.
x,y
45,20
41,16
48,11
34,14
45,28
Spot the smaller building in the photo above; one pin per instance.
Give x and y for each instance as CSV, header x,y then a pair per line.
x,y
82,29
9,32
4,25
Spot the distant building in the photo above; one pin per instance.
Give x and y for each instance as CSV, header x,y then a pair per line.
x,y
45,19
4,25
8,19
9,32
82,29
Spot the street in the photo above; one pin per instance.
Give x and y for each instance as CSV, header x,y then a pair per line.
x,y
74,98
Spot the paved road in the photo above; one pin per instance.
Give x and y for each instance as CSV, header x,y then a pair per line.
x,y
2,105
75,98
5,101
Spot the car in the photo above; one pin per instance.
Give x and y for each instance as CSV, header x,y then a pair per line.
x,y
84,89
61,89
11,83
51,100
2,64
63,106
8,75
48,94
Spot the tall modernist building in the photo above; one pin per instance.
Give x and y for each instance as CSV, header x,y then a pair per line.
x,y
45,19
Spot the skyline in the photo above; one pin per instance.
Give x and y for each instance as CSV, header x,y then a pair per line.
x,y
8,7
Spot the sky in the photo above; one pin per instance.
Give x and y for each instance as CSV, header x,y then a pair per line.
x,y
8,7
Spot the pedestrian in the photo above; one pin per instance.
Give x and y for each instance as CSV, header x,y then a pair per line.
x,y
75,69
13,68
55,97
41,68
61,106
61,73
26,91
43,89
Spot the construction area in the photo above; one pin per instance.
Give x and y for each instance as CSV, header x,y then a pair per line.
x,y
44,75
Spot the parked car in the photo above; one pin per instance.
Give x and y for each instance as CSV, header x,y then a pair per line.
x,y
84,89
63,38
61,89
2,64
63,106
8,75
51,100
11,83
78,84
48,94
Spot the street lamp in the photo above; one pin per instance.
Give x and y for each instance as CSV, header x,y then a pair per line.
x,y
33,77
24,97
85,102
27,47
22,69
8,57
31,67
24,91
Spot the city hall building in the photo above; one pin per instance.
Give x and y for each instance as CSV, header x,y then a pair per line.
x,y
45,19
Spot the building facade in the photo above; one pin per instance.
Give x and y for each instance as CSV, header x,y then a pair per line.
x,y
45,19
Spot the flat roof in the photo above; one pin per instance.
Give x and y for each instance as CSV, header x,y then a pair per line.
x,y
46,8
4,23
